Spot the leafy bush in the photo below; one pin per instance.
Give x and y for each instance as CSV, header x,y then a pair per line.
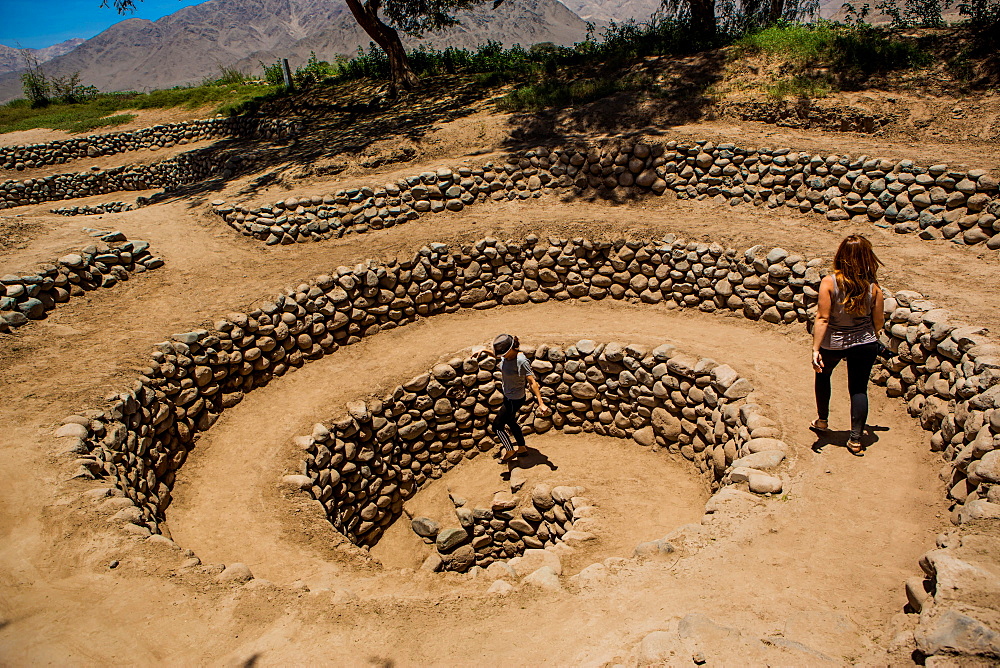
x,y
313,71
37,87
69,90
273,74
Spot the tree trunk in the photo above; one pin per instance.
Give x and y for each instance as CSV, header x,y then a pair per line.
x,y
777,11
703,17
388,39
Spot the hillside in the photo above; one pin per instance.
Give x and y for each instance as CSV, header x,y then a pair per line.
x,y
613,10
194,42
10,57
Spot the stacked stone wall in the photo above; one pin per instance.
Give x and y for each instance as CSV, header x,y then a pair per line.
x,y
95,209
935,201
363,466
947,371
169,175
146,434
948,374
31,156
29,295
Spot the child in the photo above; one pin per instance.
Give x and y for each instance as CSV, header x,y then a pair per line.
x,y
516,374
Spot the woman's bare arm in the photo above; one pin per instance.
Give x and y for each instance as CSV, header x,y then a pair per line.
x,y
878,310
822,320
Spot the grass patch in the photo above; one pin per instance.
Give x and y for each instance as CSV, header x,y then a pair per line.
x,y
851,53
798,42
554,93
106,122
100,111
839,46
800,86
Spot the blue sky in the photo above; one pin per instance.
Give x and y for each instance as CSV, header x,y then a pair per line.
x,y
40,23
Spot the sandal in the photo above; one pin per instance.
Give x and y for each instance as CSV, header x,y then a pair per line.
x,y
818,425
507,455
856,448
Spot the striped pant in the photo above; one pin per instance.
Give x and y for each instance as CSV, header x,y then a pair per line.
x,y
505,425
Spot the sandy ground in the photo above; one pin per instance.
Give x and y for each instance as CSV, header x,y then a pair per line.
x,y
821,566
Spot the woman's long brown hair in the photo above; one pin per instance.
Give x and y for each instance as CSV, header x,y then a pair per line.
x,y
856,267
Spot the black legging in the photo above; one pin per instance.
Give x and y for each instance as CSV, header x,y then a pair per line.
x,y
860,360
505,424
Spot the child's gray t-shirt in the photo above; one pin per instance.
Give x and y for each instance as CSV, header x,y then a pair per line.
x,y
515,375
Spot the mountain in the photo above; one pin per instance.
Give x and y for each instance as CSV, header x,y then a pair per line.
x,y
194,42
604,11
523,22
11,61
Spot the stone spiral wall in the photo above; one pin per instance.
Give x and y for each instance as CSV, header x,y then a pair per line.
x,y
145,435
28,295
31,156
171,174
365,465
947,371
935,201
949,374
512,525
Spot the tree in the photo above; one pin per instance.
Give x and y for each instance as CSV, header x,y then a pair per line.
x,y
707,17
33,80
413,17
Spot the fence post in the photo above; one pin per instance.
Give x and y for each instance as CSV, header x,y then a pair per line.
x,y
286,71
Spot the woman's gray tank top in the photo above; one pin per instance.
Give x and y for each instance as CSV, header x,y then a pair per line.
x,y
846,330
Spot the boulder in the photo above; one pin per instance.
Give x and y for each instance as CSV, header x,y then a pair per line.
x,y
545,578
532,560
666,424
235,573
425,527
644,436
761,483
766,459
449,539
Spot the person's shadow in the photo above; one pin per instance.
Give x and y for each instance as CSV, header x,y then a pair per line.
x,y
526,460
840,438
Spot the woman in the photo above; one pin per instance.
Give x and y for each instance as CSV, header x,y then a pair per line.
x,y
516,373
849,316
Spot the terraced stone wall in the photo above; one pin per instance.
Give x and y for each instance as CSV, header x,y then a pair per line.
x,y
171,174
365,465
935,201
29,295
30,156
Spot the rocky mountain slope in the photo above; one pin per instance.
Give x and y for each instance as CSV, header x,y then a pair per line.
x,y
604,11
11,61
194,42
